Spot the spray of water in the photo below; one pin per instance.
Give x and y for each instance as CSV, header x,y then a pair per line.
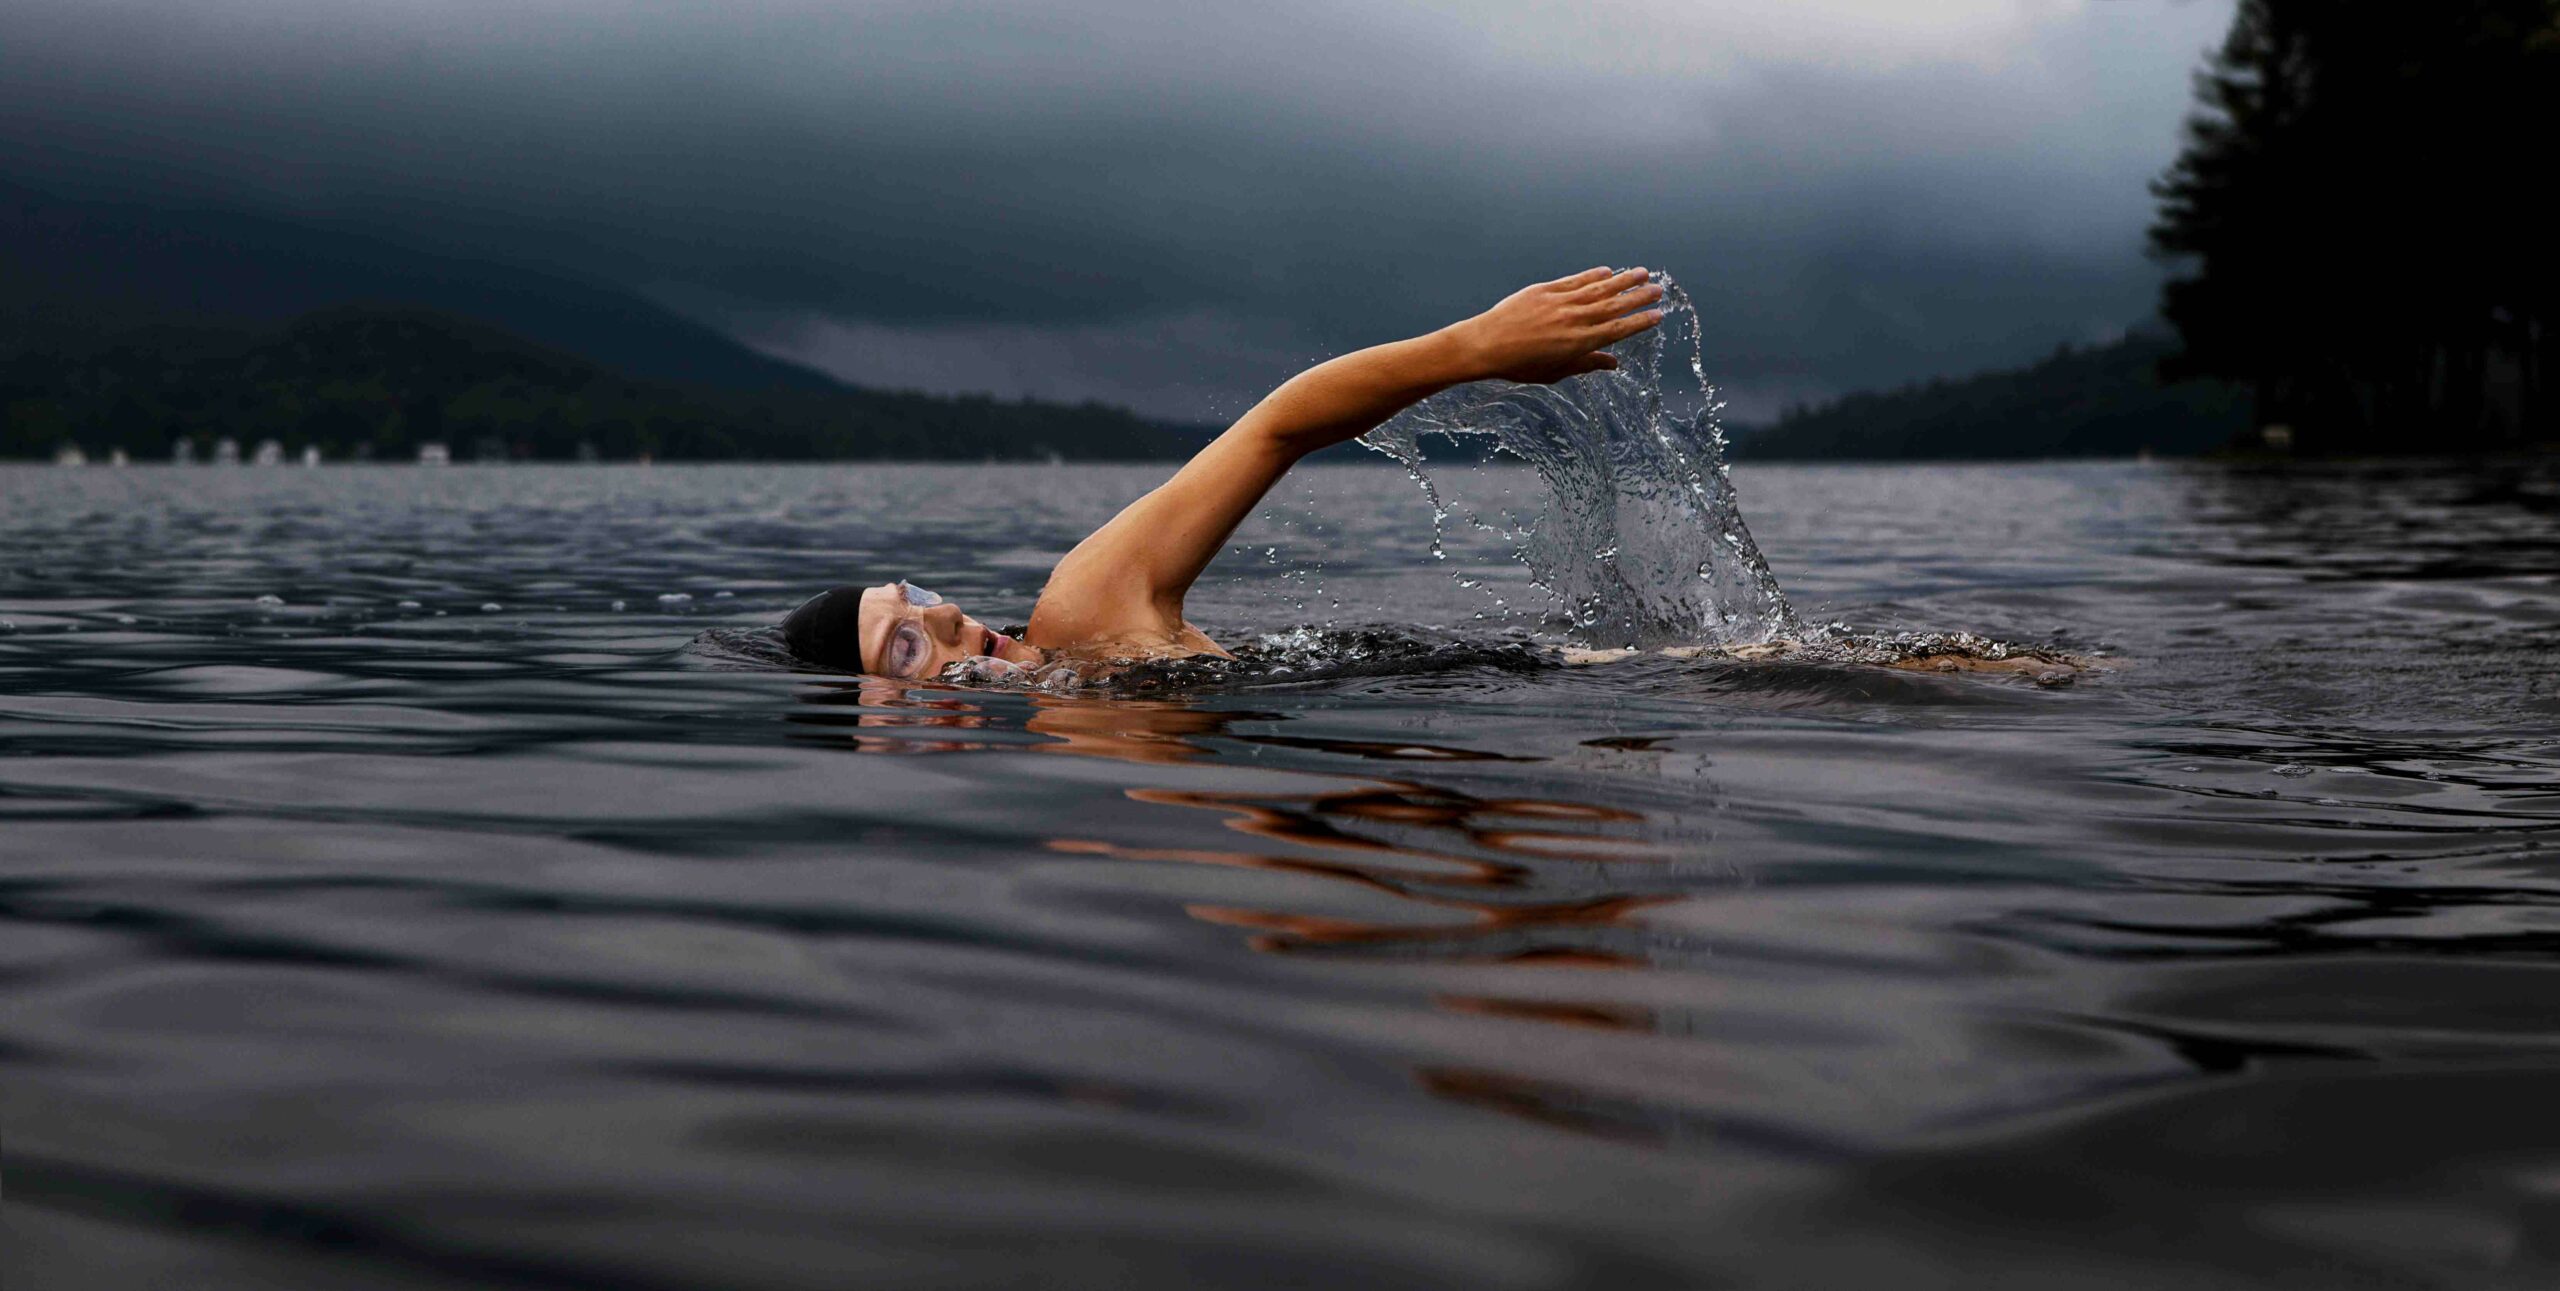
x,y
1639,538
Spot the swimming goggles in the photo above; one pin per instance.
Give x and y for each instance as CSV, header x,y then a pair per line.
x,y
908,647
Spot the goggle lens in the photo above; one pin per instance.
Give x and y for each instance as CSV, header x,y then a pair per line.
x,y
909,647
908,651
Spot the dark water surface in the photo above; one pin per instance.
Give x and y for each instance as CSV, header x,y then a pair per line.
x,y
347,944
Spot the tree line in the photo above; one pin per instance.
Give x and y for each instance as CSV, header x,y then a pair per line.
x,y
377,382
2362,225
2078,401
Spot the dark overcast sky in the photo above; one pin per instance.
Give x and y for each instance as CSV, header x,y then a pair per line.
x,y
1174,204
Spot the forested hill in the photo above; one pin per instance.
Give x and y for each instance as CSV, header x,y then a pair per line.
x,y
81,270
2103,401
364,381
127,326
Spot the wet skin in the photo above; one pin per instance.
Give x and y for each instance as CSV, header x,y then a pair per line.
x,y
1120,591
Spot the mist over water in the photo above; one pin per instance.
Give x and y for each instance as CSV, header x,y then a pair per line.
x,y
1639,535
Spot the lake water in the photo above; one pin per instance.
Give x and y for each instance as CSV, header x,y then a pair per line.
x,y
531,934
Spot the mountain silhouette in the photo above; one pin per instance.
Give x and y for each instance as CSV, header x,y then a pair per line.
x,y
133,327
87,270
2097,401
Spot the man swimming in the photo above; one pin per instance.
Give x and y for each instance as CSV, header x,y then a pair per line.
x,y
1119,593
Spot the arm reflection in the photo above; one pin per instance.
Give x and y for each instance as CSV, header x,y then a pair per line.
x,y
1471,879
1467,864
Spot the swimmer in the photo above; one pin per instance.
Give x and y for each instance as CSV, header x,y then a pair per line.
x,y
1119,593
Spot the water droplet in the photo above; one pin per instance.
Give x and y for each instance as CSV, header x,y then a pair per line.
x,y
490,607
270,599
674,598
2293,769
1629,485
618,607
409,605
722,596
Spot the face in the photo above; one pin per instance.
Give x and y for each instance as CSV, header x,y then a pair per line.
x,y
908,632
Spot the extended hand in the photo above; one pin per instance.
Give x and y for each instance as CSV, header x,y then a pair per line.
x,y
1553,330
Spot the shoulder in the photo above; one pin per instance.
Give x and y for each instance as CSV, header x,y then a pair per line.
x,y
1099,602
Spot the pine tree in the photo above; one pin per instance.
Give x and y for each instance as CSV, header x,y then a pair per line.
x,y
2358,209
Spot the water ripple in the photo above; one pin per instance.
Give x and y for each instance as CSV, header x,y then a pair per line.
x,y
362,936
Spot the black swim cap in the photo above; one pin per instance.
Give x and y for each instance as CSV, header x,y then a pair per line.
x,y
827,629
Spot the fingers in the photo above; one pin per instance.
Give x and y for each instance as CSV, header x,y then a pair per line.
x,y
1619,329
1610,306
1610,284
1585,278
1596,362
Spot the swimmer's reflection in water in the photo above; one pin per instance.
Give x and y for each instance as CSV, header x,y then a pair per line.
x,y
1524,894
1404,870
1471,867
1118,595
894,717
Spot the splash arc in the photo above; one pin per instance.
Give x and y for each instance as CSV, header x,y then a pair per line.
x,y
1639,536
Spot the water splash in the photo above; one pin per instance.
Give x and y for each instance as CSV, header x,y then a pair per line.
x,y
1640,538
1291,657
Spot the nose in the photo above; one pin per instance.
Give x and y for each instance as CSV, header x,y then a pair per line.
x,y
944,621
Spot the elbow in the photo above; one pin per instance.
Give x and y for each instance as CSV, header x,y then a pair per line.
x,y
1274,443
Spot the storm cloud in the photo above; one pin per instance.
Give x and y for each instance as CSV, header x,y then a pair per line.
x,y
1173,206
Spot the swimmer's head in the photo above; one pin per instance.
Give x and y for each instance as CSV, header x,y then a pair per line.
x,y
893,630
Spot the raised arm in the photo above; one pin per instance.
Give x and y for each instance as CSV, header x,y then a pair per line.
x,y
1131,575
